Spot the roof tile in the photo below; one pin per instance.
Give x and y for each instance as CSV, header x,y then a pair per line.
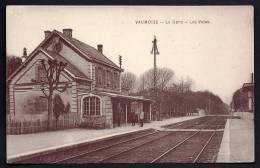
x,y
71,68
89,51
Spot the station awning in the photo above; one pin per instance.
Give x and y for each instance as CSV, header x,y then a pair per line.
x,y
132,98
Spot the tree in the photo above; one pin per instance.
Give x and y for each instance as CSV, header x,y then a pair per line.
x,y
146,80
164,76
239,100
188,84
141,83
184,85
146,83
12,64
52,71
128,80
58,107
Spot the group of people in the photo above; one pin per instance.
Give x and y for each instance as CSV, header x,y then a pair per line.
x,y
134,118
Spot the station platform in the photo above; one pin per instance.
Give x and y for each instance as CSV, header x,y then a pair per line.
x,y
28,144
237,144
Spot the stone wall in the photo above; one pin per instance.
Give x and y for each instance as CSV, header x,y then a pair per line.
x,y
107,110
106,107
30,106
25,96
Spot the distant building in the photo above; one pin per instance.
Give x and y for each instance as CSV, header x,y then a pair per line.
x,y
202,112
249,89
93,82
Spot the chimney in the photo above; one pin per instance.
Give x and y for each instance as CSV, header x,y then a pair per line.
x,y
24,54
47,33
100,48
252,77
67,32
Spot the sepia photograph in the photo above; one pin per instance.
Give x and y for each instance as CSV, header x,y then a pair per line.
x,y
129,84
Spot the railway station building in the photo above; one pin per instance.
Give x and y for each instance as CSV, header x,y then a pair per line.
x,y
249,89
93,83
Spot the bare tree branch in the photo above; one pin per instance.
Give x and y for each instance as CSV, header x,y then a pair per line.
x,y
52,73
128,80
164,76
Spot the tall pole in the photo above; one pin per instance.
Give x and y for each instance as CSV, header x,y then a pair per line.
x,y
120,61
120,64
155,52
155,70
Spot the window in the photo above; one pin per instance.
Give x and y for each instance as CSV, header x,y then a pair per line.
x,y
40,73
91,106
98,72
109,78
96,75
103,77
99,81
116,80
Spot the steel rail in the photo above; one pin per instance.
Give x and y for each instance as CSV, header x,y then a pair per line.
x,y
201,123
204,147
102,148
208,123
174,147
163,137
112,156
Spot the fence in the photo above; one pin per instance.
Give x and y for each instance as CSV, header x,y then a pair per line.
x,y
93,122
245,115
15,127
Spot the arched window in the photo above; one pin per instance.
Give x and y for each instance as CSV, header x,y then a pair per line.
x,y
91,106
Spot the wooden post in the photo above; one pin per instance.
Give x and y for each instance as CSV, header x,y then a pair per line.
x,y
150,111
125,114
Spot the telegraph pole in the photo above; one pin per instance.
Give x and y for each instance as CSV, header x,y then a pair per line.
x,y
120,61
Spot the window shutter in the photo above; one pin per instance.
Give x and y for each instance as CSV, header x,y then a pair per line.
x,y
96,75
113,80
103,77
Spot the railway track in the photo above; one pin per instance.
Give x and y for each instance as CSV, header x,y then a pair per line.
x,y
133,155
209,154
207,122
106,153
114,152
151,146
59,156
184,152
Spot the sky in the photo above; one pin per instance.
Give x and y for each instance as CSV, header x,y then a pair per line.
x,y
214,46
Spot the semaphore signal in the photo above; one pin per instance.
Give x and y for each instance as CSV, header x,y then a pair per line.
x,y
155,52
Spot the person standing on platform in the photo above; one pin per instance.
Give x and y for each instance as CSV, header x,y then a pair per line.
x,y
141,117
133,118
119,114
